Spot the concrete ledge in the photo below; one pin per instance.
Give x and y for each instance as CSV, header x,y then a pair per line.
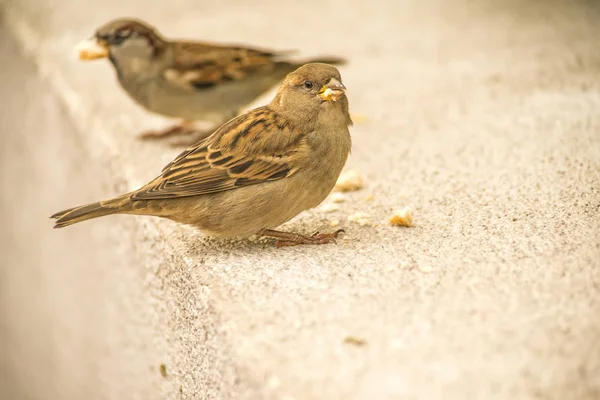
x,y
483,116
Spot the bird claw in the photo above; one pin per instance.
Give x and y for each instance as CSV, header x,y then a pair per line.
x,y
186,134
315,238
331,235
165,133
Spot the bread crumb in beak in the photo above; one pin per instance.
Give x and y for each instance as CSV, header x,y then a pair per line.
x,y
328,94
332,91
91,49
331,95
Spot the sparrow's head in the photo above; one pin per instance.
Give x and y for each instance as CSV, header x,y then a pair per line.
x,y
314,89
122,41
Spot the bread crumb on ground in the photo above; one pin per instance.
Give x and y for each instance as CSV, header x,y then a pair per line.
x,y
334,222
355,341
163,370
425,269
402,217
360,218
330,207
349,181
337,197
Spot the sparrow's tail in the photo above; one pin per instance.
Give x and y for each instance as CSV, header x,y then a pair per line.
x,y
118,205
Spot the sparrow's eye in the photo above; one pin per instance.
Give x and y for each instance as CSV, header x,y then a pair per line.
x,y
119,36
123,34
308,84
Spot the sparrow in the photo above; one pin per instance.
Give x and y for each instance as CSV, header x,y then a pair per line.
x,y
256,171
193,81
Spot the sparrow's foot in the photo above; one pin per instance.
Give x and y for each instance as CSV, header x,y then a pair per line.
x,y
188,133
196,134
294,239
184,128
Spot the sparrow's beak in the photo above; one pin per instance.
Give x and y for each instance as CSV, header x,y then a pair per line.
x,y
92,49
333,90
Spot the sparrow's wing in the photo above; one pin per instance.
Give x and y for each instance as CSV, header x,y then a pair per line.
x,y
250,149
197,66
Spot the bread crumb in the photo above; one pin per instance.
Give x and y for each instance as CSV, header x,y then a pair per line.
x,y
163,370
349,181
360,218
330,207
337,197
425,269
334,222
90,50
404,264
330,94
402,217
370,197
355,341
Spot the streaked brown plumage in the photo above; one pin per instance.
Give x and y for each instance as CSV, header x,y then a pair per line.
x,y
255,172
193,81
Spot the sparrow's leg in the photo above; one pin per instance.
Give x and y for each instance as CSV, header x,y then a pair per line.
x,y
183,128
195,134
293,239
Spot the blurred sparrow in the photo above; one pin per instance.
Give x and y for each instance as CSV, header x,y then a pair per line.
x,y
255,172
194,81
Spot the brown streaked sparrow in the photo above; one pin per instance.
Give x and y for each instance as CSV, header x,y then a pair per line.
x,y
194,81
255,172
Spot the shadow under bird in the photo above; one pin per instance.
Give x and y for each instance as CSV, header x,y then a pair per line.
x,y
255,172
193,81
